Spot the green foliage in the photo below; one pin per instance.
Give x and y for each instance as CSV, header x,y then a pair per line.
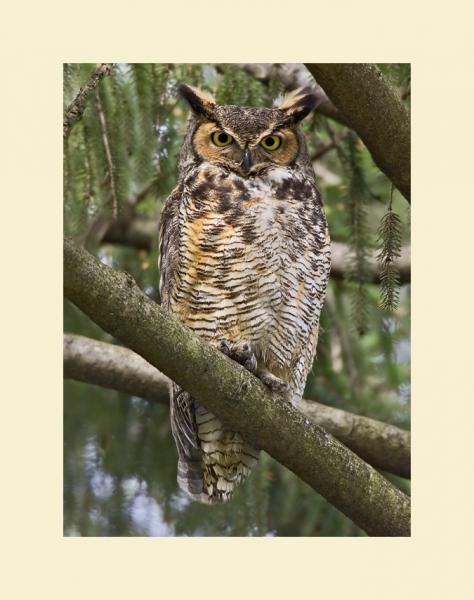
x,y
132,114
357,200
390,235
125,443
239,88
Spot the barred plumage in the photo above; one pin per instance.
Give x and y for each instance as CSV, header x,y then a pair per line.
x,y
244,262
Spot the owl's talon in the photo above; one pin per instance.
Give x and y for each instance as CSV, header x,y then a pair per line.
x,y
251,363
275,384
241,353
225,348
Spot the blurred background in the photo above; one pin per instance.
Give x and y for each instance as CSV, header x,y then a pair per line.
x,y
120,163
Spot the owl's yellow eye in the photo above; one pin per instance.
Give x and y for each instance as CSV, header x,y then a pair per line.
x,y
221,138
271,142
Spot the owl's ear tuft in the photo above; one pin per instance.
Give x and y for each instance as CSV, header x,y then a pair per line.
x,y
201,102
297,104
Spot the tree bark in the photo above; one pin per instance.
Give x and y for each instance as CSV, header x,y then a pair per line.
x,y
91,361
372,107
115,367
114,301
382,445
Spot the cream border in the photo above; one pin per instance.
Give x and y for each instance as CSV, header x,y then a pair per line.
x,y
37,39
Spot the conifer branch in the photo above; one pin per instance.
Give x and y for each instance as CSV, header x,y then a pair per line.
x,y
359,269
76,109
390,236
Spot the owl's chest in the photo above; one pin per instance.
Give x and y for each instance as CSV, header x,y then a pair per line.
x,y
242,248
241,221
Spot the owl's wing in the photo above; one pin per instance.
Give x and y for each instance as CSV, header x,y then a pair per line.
x,y
169,244
322,267
315,268
183,421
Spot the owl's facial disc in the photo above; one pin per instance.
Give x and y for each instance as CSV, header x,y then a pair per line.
x,y
247,140
245,154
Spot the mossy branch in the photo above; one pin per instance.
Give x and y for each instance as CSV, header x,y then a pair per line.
x,y
114,301
373,108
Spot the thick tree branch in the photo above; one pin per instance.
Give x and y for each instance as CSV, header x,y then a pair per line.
x,y
114,301
115,367
383,446
142,233
76,109
372,107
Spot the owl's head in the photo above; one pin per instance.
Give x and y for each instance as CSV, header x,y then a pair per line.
x,y
247,140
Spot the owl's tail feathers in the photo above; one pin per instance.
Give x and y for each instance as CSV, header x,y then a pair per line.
x,y
213,477
212,460
190,480
210,484
222,478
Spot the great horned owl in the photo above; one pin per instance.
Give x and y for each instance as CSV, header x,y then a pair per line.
x,y
244,262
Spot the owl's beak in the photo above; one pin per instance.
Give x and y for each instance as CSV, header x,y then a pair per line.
x,y
246,163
